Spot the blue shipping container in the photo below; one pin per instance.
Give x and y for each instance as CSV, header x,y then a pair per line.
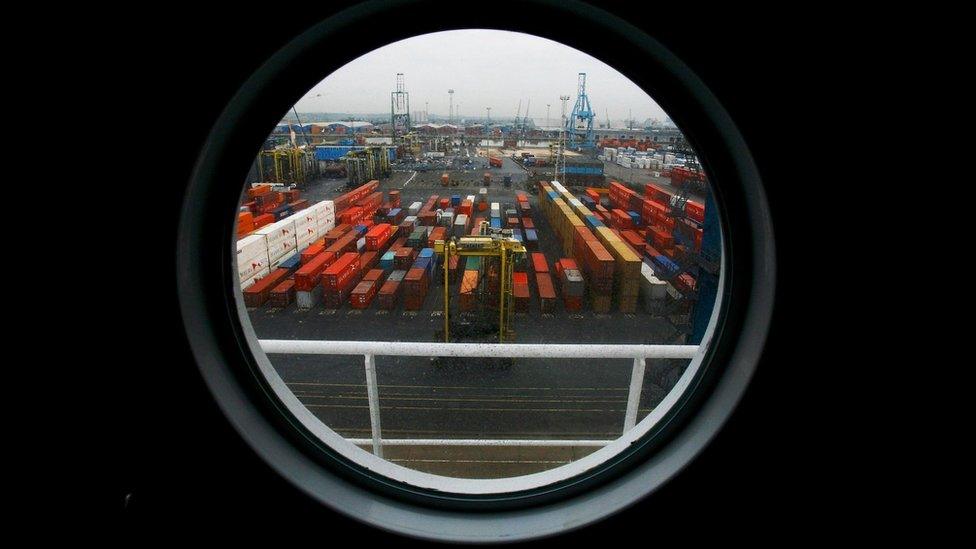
x,y
531,236
427,252
496,223
360,229
386,262
663,263
291,263
634,218
281,212
455,200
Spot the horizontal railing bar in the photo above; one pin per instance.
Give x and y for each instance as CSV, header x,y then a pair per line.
x,y
475,350
478,442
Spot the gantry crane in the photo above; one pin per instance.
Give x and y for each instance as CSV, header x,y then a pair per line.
x,y
489,243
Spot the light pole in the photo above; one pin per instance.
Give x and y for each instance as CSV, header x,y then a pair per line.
x,y
487,130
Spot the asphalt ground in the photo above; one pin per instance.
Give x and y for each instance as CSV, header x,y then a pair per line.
x,y
472,398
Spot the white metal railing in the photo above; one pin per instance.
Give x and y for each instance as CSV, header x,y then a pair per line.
x,y
370,349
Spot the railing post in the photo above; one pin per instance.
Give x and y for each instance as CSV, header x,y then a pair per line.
x,y
633,397
372,393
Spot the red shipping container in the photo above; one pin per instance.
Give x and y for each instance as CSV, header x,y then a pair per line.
x,y
369,260
527,223
363,294
656,192
404,257
262,220
283,294
257,294
310,274
522,295
465,207
539,263
573,304
445,203
354,195
547,293
621,219
260,189
375,275
310,252
378,236
334,299
341,271
439,233
632,238
695,211
388,294
513,221
660,238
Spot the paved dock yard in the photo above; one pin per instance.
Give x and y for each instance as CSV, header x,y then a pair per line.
x,y
473,399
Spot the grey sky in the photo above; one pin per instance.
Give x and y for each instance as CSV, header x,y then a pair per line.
x,y
486,68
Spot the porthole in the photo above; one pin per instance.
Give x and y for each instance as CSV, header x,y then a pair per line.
x,y
333,381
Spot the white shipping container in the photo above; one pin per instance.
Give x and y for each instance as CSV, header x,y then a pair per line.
x,y
251,246
309,232
410,219
414,208
280,249
249,268
471,198
277,231
307,300
303,219
305,239
361,244
652,287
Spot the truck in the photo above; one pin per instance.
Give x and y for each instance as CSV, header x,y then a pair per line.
x,y
508,181
494,162
445,179
487,179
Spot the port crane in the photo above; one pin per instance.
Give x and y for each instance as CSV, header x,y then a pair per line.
x,y
492,243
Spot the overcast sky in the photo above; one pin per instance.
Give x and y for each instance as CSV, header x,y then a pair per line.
x,y
486,68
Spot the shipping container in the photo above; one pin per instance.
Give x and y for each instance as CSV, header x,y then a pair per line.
x,y
306,299
363,294
547,293
283,294
250,248
258,293
378,236
343,269
310,252
539,263
389,292
309,275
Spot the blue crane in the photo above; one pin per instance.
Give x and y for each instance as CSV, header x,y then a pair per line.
x,y
579,125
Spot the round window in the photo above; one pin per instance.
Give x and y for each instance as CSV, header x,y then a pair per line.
x,y
476,270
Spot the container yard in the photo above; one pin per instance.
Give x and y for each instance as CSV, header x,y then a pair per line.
x,y
458,238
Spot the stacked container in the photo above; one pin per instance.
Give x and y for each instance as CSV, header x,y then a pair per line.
x,y
340,278
389,292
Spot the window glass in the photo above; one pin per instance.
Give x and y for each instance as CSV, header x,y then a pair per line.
x,y
477,151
